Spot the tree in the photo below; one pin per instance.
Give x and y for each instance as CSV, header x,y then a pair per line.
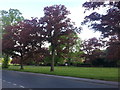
x,y
15,60
113,51
90,46
7,47
36,56
108,24
68,47
55,24
27,37
10,17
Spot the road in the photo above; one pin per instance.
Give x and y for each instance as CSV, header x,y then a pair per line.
x,y
13,79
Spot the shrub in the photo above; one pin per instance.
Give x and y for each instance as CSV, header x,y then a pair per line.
x,y
5,63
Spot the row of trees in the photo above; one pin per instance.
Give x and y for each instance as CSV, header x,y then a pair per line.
x,y
24,40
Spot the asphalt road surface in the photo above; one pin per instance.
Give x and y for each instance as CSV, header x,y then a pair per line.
x,y
13,79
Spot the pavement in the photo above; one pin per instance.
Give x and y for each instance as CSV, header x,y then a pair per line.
x,y
16,79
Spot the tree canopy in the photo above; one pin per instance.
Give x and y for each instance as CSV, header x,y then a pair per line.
x,y
109,23
56,23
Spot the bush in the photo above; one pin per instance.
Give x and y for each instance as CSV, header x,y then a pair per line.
x,y
98,62
5,63
57,61
102,62
76,63
118,63
81,64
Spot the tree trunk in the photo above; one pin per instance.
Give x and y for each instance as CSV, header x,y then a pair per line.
x,y
21,63
119,37
69,61
53,57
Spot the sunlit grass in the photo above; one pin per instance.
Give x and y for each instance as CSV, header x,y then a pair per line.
x,y
110,74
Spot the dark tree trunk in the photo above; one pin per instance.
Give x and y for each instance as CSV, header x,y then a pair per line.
x,y
69,61
53,57
21,62
33,57
119,37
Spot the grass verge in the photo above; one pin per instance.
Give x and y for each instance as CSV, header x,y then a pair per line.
x,y
108,74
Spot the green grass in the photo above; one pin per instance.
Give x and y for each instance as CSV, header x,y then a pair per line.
x,y
108,74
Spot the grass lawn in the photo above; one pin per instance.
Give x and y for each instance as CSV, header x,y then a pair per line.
x,y
108,74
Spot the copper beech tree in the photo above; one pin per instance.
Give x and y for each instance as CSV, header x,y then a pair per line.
x,y
25,38
113,51
7,47
10,17
56,23
107,23
91,47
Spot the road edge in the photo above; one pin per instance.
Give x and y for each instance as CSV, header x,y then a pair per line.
x,y
75,78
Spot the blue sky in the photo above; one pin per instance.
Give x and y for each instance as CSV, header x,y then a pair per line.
x,y
34,8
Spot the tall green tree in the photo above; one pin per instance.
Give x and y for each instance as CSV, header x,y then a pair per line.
x,y
10,17
68,46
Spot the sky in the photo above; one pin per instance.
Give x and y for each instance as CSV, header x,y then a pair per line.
x,y
34,8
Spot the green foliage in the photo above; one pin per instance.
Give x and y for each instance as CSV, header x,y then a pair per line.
x,y
5,61
118,63
10,17
76,53
58,60
77,63
47,60
69,47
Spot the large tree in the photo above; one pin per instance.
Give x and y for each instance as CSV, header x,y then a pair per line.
x,y
90,46
55,24
113,51
108,23
7,47
10,17
27,37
